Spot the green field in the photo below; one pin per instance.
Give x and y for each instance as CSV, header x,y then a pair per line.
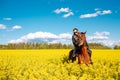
x,y
47,64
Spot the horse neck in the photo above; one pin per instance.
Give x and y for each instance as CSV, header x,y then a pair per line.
x,y
83,37
84,42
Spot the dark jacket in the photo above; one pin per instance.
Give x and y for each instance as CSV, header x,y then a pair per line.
x,y
75,40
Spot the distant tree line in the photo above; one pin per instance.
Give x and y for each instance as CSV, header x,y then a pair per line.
x,y
31,45
116,47
98,46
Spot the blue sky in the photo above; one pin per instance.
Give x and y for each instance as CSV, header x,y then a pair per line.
x,y
53,20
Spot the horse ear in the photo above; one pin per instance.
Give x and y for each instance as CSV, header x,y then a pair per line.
x,y
85,32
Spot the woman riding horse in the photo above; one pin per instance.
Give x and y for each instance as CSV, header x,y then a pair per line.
x,y
77,42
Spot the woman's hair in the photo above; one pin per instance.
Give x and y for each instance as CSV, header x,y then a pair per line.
x,y
75,29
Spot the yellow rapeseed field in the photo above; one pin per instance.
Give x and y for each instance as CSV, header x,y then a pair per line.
x,y
50,64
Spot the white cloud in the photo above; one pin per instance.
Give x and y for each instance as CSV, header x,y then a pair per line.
x,y
7,19
104,33
62,10
97,13
16,27
89,15
106,12
96,9
110,43
103,38
99,36
67,12
66,38
44,37
2,26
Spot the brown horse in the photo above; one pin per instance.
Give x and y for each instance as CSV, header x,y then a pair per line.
x,y
83,56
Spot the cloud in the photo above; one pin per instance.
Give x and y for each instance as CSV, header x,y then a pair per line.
x,y
66,38
97,9
110,43
7,19
2,26
67,12
89,15
44,37
97,13
99,36
104,33
106,12
103,38
16,27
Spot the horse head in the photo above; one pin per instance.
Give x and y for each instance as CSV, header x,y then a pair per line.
x,y
82,38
